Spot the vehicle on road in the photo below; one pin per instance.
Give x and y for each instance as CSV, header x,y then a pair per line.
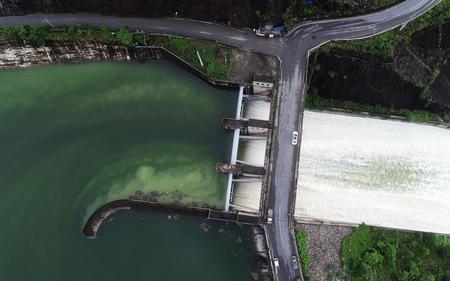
x,y
270,31
294,262
276,264
294,138
269,216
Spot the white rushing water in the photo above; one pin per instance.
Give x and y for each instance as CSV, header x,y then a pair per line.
x,y
384,173
257,110
247,195
252,152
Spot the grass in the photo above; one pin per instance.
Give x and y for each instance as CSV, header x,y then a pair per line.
x,y
216,58
305,260
314,101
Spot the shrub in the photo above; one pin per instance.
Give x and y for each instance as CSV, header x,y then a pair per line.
x,y
302,245
377,254
125,36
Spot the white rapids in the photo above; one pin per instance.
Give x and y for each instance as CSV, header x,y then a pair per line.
x,y
246,195
383,173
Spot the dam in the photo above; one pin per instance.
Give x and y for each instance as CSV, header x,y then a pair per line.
x,y
355,170
246,194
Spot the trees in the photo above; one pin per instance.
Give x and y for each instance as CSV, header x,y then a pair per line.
x,y
105,34
393,255
125,36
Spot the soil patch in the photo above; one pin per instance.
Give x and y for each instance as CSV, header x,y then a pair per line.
x,y
246,64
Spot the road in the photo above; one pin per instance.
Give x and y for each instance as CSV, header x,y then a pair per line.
x,y
290,113
293,51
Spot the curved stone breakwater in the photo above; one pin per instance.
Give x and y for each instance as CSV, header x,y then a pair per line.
x,y
96,220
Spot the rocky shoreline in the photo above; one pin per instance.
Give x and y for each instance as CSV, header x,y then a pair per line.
x,y
16,56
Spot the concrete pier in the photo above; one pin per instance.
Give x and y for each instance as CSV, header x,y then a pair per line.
x,y
234,150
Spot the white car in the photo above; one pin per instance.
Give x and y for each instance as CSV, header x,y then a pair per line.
x,y
269,216
275,263
294,138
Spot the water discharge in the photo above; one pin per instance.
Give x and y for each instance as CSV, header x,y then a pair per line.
x,y
73,137
384,173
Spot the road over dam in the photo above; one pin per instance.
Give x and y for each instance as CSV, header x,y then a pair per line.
x,y
293,51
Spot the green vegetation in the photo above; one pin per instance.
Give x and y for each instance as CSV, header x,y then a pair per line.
x,y
216,58
314,101
262,15
125,36
39,36
384,44
371,254
299,10
305,260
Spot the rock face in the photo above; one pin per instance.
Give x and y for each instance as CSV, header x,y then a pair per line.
x,y
13,56
343,78
421,65
440,89
238,12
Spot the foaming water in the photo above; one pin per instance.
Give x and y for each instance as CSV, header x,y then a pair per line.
x,y
384,173
253,152
247,194
257,110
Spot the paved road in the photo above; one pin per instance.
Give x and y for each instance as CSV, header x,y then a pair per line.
x,y
290,114
293,51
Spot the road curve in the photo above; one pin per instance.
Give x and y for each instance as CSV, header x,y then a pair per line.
x,y
293,51
294,59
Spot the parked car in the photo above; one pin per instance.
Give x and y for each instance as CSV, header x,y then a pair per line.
x,y
269,216
270,31
294,138
275,263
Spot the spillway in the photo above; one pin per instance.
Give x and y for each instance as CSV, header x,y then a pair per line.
x,y
384,173
246,195
253,152
257,110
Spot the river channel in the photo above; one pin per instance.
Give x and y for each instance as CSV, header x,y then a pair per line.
x,y
73,137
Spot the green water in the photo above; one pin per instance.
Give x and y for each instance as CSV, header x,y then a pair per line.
x,y
73,137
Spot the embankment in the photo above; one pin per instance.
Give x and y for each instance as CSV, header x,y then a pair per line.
x,y
20,56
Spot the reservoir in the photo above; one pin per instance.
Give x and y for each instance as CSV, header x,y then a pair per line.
x,y
73,137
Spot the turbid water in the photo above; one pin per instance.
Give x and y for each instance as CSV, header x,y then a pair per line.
x,y
73,137
384,173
